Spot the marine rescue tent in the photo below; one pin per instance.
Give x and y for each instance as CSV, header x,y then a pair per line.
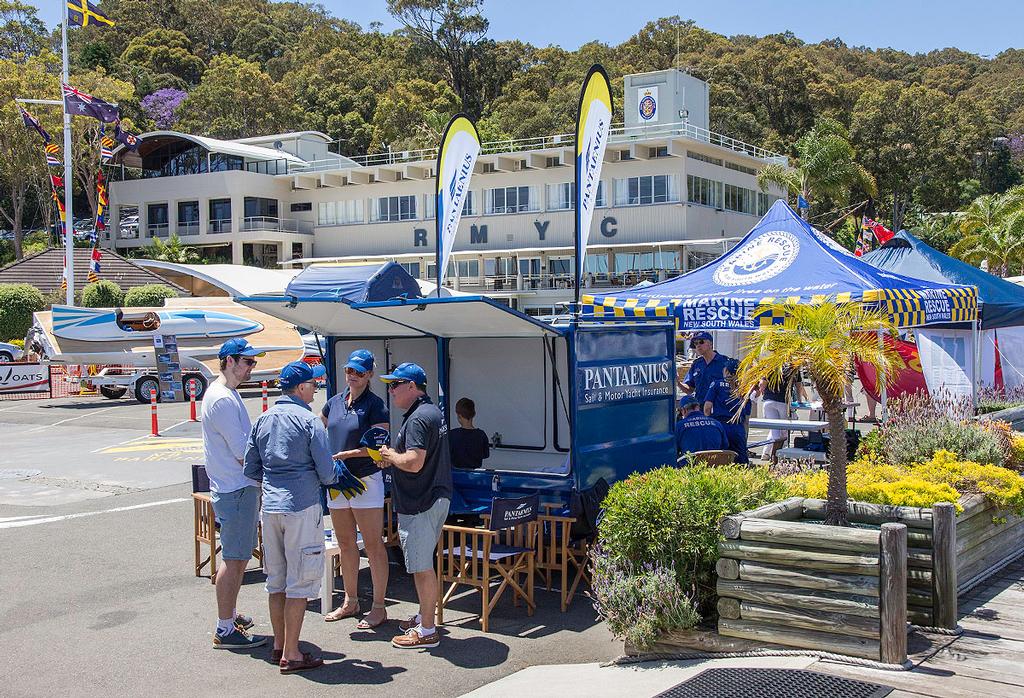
x,y
784,259
1000,305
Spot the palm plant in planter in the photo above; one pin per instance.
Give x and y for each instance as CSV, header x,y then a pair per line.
x,y
824,340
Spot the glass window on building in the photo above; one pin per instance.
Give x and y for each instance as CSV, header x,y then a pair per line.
x,y
468,268
764,202
188,212
562,266
220,215
739,199
395,208
430,203
705,192
511,200
651,189
339,212
562,196
596,263
500,266
529,266
259,207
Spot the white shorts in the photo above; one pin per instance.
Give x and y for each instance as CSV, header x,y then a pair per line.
x,y
372,498
293,552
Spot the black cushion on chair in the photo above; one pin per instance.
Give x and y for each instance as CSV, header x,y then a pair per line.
x,y
585,507
200,480
507,513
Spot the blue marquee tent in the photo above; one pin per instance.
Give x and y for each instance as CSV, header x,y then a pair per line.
x,y
356,283
1000,303
784,259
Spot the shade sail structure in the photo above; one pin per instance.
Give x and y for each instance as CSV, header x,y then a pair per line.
x,y
1000,303
784,260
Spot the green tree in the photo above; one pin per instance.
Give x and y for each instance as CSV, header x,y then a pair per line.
x,y
22,33
165,52
991,231
824,340
102,294
171,251
17,303
148,296
236,99
408,115
826,166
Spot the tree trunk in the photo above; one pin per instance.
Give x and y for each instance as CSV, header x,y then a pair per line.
x,y
836,509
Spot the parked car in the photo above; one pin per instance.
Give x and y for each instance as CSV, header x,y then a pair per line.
x,y
129,226
9,352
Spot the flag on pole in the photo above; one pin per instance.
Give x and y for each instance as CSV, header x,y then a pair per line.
x,y
101,203
128,140
82,13
78,103
94,265
51,155
593,124
801,202
106,145
56,181
456,158
33,124
882,234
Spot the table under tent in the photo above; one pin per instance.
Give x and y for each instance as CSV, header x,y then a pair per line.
x,y
565,405
1000,315
784,259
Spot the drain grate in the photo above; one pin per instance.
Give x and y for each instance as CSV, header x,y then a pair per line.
x,y
18,473
772,683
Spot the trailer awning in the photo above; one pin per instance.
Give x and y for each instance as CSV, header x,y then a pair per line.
x,y
460,316
328,317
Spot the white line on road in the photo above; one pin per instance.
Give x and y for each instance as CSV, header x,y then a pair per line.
x,y
71,419
21,518
65,517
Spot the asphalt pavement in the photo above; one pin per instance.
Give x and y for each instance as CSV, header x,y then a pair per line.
x,y
101,598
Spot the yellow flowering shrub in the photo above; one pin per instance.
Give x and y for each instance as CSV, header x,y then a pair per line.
x,y
943,478
1017,450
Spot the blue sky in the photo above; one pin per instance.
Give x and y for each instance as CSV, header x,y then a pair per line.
x,y
985,27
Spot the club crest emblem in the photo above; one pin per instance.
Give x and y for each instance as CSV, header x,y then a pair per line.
x,y
760,259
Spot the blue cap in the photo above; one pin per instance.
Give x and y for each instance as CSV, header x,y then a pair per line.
x,y
299,372
701,335
237,346
732,365
406,372
688,400
360,360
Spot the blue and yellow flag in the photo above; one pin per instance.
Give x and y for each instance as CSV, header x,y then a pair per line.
x,y
593,126
82,13
456,158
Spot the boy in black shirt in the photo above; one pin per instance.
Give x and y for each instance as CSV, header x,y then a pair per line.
x,y
469,445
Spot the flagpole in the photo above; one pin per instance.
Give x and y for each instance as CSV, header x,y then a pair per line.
x,y
69,228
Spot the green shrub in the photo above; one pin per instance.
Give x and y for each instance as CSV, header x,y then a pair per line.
x,y
669,518
17,303
148,296
639,604
102,294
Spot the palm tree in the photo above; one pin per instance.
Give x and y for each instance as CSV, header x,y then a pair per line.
x,y
824,340
171,251
826,166
991,230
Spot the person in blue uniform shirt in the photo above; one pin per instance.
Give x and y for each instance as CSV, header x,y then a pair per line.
x,y
348,415
696,431
721,403
706,368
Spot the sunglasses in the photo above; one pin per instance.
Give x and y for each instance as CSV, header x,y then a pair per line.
x,y
353,372
394,384
697,341
245,360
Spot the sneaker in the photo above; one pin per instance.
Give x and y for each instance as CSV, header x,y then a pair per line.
x,y
412,640
409,623
243,622
236,640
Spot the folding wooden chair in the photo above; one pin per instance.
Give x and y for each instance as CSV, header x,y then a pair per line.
x,y
503,552
204,522
710,457
558,552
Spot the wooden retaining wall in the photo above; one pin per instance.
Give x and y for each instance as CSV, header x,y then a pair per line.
x,y
811,586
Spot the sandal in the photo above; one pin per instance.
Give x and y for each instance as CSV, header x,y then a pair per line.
x,y
337,614
367,625
308,661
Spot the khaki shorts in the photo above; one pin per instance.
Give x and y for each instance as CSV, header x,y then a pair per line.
x,y
293,552
419,533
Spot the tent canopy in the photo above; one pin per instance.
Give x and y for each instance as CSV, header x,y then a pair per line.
x,y
784,259
355,283
1000,303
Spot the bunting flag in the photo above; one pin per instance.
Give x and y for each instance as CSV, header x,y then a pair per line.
x,y
82,13
51,155
32,123
859,250
52,161
456,158
128,140
882,234
101,203
593,126
78,103
106,145
56,181
801,202
94,266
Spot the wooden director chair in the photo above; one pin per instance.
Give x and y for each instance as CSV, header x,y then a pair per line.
x,y
204,524
504,551
709,458
559,553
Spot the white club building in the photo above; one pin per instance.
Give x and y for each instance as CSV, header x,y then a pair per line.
x,y
673,196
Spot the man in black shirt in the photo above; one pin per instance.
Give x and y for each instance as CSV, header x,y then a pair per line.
x,y
468,444
421,490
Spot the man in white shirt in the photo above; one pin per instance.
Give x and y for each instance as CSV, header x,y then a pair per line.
x,y
236,498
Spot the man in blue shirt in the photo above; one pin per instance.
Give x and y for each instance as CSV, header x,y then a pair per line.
x,y
289,452
706,368
696,431
723,404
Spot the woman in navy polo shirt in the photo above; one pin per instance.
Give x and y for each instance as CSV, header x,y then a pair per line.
x,y
347,416
722,403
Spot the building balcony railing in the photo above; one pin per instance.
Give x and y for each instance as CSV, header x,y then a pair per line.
x,y
219,225
157,230
275,225
619,135
188,228
549,281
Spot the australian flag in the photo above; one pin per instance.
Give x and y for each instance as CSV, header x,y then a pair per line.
x,y
33,124
77,103
128,140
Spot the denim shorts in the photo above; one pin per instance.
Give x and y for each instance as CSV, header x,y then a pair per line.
x,y
419,533
238,514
